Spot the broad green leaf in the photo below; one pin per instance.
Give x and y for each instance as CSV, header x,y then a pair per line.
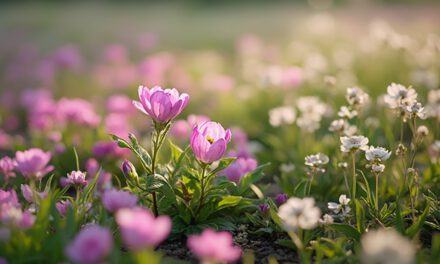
x,y
417,225
360,216
229,201
347,230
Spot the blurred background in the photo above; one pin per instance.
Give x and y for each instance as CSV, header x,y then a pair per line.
x,y
236,59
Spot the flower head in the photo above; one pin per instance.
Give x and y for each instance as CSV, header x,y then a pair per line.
x,y
77,178
32,163
399,96
377,154
140,229
7,166
284,115
91,246
353,143
214,246
161,105
386,246
281,198
341,207
299,213
63,206
356,96
239,168
209,141
114,200
27,193
316,160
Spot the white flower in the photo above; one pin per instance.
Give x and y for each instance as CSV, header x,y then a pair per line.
x,y
356,96
299,213
345,112
386,246
342,206
337,125
415,109
353,143
398,96
326,220
377,168
284,115
422,131
316,160
377,154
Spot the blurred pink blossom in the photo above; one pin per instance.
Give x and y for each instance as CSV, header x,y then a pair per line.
x,y
113,200
33,163
7,166
212,246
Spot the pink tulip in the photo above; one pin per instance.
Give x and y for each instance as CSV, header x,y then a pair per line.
x,y
63,206
7,166
32,163
161,105
92,245
113,200
140,229
239,168
27,193
214,246
209,141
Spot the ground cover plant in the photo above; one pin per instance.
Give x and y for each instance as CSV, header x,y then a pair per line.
x,y
321,149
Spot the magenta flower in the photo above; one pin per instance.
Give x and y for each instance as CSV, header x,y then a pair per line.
x,y
140,229
161,105
77,111
75,178
9,197
91,246
213,246
209,141
113,200
7,166
32,163
239,168
281,198
27,193
63,206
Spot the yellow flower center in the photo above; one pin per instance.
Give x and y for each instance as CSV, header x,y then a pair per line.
x,y
210,139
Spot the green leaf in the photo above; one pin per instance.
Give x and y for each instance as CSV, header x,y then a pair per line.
x,y
229,201
122,143
285,243
360,216
347,230
252,177
417,225
399,220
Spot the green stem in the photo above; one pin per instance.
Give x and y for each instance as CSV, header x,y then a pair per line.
x,y
353,165
202,191
377,192
158,136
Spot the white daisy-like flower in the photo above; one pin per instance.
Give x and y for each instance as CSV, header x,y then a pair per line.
x,y
353,143
326,220
342,206
386,246
415,109
398,96
345,112
337,125
299,213
316,160
377,154
356,96
377,168
284,115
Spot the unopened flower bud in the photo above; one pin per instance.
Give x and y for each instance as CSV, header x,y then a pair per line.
x,y
264,210
128,169
422,131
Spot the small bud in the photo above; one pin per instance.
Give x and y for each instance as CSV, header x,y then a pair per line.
x,y
281,198
422,131
264,210
401,150
128,169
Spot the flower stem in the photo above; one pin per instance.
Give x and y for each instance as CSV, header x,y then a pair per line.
x,y
353,165
377,192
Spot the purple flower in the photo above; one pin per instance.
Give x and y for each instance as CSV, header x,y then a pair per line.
x,y
63,206
213,246
32,163
27,193
161,105
77,111
128,169
264,210
140,229
7,166
77,178
281,198
239,168
209,141
9,197
92,167
91,246
113,200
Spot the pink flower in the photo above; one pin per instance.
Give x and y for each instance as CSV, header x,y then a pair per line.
x,y
27,193
63,206
9,197
119,104
32,163
239,168
211,245
292,77
77,178
77,111
114,200
92,167
182,129
140,229
26,221
7,166
161,105
92,245
209,141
